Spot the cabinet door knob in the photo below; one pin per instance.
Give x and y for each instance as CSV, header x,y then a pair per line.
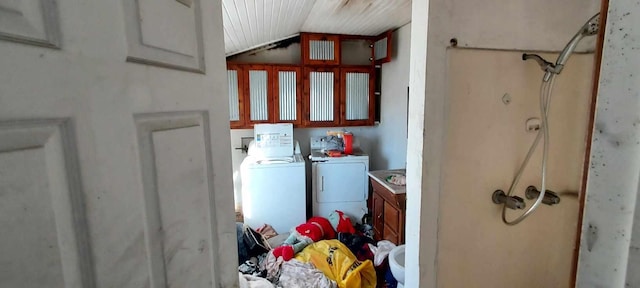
x,y
380,216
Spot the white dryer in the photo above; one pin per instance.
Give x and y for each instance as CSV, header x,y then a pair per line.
x,y
339,183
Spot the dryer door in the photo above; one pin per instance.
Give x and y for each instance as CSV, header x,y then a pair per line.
x,y
341,182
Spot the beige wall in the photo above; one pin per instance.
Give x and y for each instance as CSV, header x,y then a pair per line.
x,y
544,25
485,145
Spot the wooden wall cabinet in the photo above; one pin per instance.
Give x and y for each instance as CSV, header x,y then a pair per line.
x,y
357,99
320,49
388,211
382,48
321,97
287,94
322,92
325,49
258,93
235,80
339,97
356,50
264,94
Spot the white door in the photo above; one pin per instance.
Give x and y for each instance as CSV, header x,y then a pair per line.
x,y
341,182
110,115
339,185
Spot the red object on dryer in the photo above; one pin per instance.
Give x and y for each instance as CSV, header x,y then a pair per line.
x,y
347,138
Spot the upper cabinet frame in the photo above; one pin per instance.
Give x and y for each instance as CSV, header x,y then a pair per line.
x,y
333,108
256,93
370,100
382,48
239,90
287,106
320,49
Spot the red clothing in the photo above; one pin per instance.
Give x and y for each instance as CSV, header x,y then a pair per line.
x,y
316,228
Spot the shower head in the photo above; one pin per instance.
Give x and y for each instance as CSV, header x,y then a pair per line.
x,y
592,26
588,29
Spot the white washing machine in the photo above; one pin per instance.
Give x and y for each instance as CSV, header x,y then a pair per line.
x,y
339,183
274,183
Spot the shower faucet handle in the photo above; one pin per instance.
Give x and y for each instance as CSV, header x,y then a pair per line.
x,y
512,202
550,197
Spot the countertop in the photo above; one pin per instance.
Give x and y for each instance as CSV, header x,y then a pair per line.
x,y
380,175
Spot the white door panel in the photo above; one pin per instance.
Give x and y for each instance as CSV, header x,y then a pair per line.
x,y
39,193
176,197
106,171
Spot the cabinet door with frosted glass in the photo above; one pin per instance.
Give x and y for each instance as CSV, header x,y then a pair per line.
x,y
287,92
321,88
235,79
382,48
357,100
320,49
258,89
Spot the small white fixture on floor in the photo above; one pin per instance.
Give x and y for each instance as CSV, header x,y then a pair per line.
x,y
396,263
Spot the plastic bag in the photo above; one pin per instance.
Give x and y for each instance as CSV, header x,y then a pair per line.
x,y
337,262
381,251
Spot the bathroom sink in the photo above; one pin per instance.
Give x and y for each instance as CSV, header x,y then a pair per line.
x,y
396,179
391,179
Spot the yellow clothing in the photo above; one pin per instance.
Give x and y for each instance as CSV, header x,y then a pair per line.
x,y
337,262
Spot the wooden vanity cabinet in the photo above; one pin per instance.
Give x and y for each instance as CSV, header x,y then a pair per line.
x,y
388,211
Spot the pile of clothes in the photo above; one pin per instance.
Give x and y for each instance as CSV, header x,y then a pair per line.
x,y
322,252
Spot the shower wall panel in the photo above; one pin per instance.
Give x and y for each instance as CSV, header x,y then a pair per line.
x,y
485,144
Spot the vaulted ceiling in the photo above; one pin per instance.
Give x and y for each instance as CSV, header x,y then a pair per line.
x,y
252,23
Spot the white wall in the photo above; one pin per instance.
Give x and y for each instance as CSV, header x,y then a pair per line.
x,y
391,143
610,250
496,25
386,142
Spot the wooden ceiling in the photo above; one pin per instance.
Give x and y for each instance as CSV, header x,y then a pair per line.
x,y
252,23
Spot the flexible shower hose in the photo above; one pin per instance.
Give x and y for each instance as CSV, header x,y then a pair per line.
x,y
545,97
